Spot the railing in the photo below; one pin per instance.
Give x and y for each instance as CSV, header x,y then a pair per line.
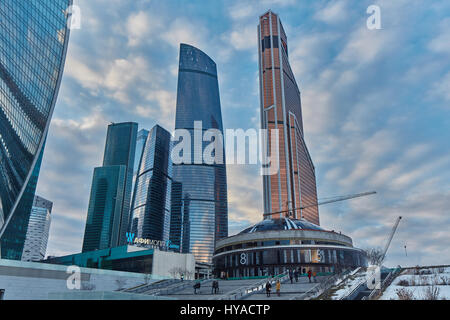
x,y
320,288
146,287
244,292
386,282
177,287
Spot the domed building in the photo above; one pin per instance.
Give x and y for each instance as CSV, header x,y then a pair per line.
x,y
273,246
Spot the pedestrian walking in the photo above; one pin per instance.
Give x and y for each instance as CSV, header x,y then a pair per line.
x,y
196,287
291,276
315,276
296,275
278,287
268,288
216,289
309,275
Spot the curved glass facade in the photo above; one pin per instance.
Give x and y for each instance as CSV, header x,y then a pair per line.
x,y
33,46
273,261
199,192
151,200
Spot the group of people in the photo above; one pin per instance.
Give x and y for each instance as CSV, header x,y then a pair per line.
x,y
269,288
312,276
295,274
214,287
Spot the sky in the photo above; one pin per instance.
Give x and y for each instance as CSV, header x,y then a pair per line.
x,y
376,108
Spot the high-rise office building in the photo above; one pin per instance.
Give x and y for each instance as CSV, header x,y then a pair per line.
x,y
38,230
13,239
140,144
110,199
104,216
151,200
294,186
33,45
199,198
120,150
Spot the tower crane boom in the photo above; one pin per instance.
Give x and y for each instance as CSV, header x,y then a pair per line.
x,y
319,203
390,238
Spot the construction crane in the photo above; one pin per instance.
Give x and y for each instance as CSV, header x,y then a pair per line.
x,y
390,239
319,203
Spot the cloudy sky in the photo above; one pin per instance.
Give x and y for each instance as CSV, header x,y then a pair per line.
x,y
376,107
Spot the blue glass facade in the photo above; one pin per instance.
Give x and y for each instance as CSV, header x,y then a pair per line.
x,y
120,149
199,194
151,201
13,239
105,208
33,46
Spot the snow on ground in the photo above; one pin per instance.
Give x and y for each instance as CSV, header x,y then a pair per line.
x,y
347,286
417,283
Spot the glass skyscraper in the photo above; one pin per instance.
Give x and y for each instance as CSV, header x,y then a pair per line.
x,y
151,201
13,239
294,186
102,229
33,45
199,193
110,199
120,149
38,230
140,144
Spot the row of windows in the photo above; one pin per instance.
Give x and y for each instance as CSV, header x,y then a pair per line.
x,y
257,244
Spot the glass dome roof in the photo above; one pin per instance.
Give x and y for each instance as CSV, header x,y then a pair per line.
x,y
282,224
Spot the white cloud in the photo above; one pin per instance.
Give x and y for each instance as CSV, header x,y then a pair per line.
x,y
441,43
333,12
139,28
185,31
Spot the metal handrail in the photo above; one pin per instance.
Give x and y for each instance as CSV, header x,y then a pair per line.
x,y
384,284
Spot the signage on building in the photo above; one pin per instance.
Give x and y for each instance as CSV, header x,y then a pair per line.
x,y
159,244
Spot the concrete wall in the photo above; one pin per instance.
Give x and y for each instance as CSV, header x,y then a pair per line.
x,y
165,262
34,281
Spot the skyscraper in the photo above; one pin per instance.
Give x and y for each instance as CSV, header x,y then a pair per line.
x,y
33,45
151,200
104,216
199,197
13,239
38,230
140,144
294,186
120,149
109,203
